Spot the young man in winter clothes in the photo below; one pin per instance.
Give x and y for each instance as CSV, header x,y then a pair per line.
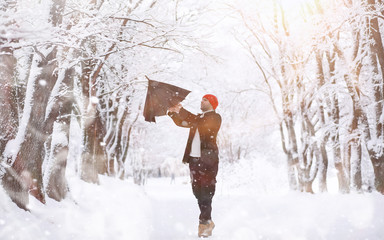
x,y
201,153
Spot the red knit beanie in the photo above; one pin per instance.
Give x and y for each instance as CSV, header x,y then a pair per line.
x,y
212,100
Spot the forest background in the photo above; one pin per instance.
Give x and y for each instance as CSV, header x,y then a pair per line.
x,y
299,83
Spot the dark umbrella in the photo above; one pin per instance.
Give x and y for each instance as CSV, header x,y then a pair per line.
x,y
160,97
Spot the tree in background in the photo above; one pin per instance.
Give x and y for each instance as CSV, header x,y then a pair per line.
x,y
83,66
314,69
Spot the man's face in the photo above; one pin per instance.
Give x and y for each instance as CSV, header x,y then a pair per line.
x,y
205,105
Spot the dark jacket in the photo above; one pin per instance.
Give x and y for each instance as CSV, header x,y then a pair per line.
x,y
208,125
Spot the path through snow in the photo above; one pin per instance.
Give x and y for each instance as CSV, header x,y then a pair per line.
x,y
239,215
120,210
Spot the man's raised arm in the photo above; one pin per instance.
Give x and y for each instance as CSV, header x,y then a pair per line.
x,y
181,117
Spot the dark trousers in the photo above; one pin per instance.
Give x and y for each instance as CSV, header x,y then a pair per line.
x,y
203,177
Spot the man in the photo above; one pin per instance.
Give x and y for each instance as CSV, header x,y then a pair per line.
x,y
201,153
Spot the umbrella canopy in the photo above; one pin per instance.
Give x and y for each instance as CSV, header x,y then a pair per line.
x,y
160,97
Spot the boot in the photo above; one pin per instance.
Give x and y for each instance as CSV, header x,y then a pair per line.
x,y
205,229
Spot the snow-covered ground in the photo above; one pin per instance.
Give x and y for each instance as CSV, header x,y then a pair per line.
x,y
163,210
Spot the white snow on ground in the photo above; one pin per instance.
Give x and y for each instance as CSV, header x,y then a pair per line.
x,y
113,210
240,215
160,210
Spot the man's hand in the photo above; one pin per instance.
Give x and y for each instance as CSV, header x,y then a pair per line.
x,y
175,108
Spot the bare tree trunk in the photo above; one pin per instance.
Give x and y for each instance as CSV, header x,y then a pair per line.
x,y
375,148
354,149
119,148
91,126
10,179
8,110
356,178
322,156
341,172
31,153
293,170
335,139
306,180
377,46
111,118
94,160
378,167
335,136
114,138
40,84
323,168
56,184
127,144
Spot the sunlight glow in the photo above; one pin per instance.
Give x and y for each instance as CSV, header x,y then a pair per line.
x,y
294,3
294,6
297,6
